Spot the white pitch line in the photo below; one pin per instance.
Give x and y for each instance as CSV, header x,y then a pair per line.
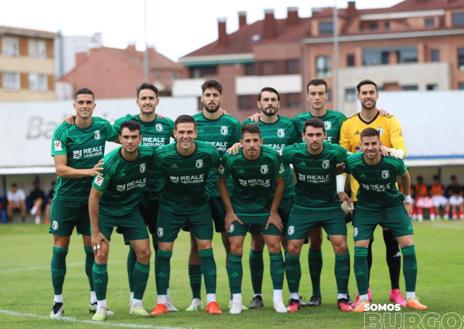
x,y
71,319
35,268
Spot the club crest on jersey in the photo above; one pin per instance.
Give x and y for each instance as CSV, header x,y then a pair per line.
x,y
96,134
385,174
264,169
281,132
291,230
224,130
99,180
142,167
159,127
327,125
58,146
174,179
199,163
325,164
77,154
160,232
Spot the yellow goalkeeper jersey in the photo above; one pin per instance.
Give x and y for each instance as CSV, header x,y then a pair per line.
x,y
390,135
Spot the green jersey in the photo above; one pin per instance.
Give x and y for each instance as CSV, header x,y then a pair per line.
x,y
277,135
83,148
155,133
332,121
222,133
123,182
377,183
253,180
315,174
185,176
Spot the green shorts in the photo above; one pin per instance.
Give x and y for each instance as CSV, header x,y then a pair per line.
x,y
170,222
132,226
252,224
148,207
394,218
64,216
303,219
218,212
284,213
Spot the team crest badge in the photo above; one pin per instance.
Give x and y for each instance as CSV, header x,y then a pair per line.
x,y
58,146
355,232
96,134
54,225
77,154
99,180
231,228
142,167
159,127
224,130
174,179
264,169
327,125
325,164
121,187
385,174
199,163
160,232
281,132
291,230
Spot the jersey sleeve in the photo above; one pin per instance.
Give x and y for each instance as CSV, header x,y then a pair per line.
x,y
224,168
396,135
342,154
349,165
345,136
100,182
214,157
111,132
287,155
294,136
59,141
401,167
238,132
117,126
279,166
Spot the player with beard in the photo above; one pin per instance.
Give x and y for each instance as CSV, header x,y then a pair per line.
x,y
393,144
221,130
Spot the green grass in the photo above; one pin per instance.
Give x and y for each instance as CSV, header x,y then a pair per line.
x,y
26,288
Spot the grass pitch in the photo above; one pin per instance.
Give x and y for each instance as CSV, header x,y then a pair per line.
x,y
26,293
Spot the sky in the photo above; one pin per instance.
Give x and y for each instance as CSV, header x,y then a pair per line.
x,y
174,27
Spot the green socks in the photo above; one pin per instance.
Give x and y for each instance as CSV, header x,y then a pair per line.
x,y
163,271
277,270
361,269
409,267
194,272
89,259
100,280
131,260
208,269
293,271
235,273
140,278
256,263
342,272
58,268
315,268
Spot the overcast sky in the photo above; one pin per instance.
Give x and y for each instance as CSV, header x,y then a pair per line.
x,y
175,27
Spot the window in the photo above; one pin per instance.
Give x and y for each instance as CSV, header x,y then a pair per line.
x,y
410,87
246,102
292,100
11,81
461,58
10,46
326,27
373,26
431,86
376,56
200,72
37,48
406,55
458,19
38,82
386,25
429,23
249,68
350,60
292,66
434,55
350,94
322,66
268,68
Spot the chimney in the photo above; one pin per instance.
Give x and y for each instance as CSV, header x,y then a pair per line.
x,y
292,15
242,19
131,48
351,10
270,25
222,33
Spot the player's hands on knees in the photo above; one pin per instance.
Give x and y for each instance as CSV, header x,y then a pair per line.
x,y
254,117
274,219
230,218
97,239
70,119
234,148
97,169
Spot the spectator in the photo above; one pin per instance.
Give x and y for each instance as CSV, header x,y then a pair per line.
x,y
49,202
16,201
37,197
440,202
456,202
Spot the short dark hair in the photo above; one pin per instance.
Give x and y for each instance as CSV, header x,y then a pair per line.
x,y
370,132
211,84
315,123
317,82
251,128
420,178
84,91
146,85
436,177
366,82
131,125
271,90
14,185
185,118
